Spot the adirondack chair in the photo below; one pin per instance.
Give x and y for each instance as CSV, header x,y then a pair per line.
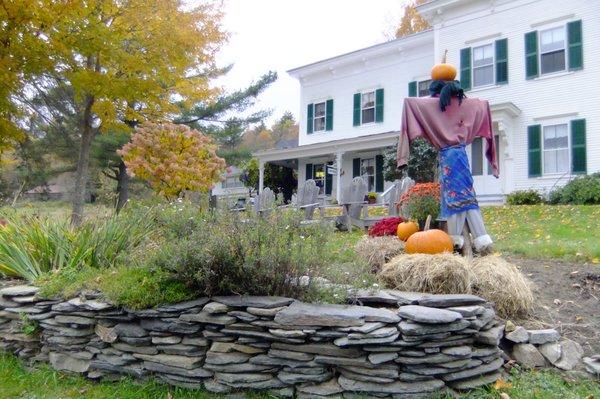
x,y
400,187
353,202
307,198
264,203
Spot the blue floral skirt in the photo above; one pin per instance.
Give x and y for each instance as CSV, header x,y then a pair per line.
x,y
456,181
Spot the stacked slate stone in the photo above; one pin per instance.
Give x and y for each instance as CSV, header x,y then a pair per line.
x,y
20,308
407,345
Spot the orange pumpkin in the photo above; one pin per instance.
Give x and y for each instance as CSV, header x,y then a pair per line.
x,y
406,229
428,241
443,71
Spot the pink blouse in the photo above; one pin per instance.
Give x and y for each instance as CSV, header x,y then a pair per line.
x,y
422,117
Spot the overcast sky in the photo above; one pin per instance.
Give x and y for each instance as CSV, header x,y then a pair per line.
x,y
283,34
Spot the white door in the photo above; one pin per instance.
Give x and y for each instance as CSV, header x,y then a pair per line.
x,y
486,185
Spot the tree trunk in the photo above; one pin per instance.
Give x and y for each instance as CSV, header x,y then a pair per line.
x,y
83,162
122,186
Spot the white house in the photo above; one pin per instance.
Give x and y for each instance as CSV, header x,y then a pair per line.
x,y
536,61
231,189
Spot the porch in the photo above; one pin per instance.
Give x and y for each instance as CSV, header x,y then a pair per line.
x,y
333,164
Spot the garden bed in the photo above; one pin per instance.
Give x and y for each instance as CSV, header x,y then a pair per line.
x,y
415,344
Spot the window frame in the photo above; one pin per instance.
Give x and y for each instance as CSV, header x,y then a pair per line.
x,y
493,64
315,117
362,109
544,150
565,50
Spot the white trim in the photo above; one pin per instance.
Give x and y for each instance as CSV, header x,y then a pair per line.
x,y
544,150
482,39
324,102
552,20
557,117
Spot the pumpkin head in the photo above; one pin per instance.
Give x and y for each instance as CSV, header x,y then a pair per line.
x,y
406,229
428,241
443,71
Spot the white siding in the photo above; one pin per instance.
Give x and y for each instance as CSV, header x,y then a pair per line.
x,y
572,94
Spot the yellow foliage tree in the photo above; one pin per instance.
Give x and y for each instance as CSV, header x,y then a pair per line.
x,y
123,61
412,21
172,158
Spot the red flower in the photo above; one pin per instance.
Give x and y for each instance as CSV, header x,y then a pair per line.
x,y
385,227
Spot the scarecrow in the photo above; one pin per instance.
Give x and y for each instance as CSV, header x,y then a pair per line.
x,y
450,121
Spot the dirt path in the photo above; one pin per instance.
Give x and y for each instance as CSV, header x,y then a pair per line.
x,y
567,299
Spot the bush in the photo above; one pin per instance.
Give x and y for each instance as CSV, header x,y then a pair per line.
x,y
584,190
257,256
524,197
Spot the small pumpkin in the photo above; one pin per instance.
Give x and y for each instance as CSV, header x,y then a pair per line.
x,y
406,229
443,71
428,241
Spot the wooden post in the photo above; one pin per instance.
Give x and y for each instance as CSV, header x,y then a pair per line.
x,y
467,249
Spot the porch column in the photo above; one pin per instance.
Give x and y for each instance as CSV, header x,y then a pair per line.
x,y
338,175
261,176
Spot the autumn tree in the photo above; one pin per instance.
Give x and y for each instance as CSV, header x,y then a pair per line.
x,y
173,158
412,21
123,62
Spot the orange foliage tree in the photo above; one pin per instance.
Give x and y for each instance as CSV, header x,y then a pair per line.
x,y
412,21
172,158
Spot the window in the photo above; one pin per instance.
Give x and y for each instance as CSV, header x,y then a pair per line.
x,y
367,170
319,121
424,88
367,107
552,50
556,148
319,176
232,182
483,65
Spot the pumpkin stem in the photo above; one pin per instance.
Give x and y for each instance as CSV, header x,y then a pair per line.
x,y
444,57
427,223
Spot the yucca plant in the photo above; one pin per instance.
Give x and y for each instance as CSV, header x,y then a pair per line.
x,y
32,246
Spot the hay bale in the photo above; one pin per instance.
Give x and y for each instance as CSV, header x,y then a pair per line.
x,y
435,274
378,250
501,282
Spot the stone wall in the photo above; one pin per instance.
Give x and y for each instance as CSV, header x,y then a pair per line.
x,y
402,345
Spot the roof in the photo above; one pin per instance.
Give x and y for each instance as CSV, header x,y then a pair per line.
x,y
393,45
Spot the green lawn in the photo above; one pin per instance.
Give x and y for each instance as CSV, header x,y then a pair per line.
x,y
570,232
17,382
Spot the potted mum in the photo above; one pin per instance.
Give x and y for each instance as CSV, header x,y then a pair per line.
x,y
421,200
372,197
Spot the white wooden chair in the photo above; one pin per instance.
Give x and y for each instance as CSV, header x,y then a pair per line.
x,y
264,203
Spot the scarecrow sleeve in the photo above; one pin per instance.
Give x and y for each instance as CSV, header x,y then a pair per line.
x,y
411,129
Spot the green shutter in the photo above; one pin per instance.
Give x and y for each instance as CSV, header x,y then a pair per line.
x,y
309,171
465,68
328,180
356,115
356,167
379,105
534,149
412,88
309,118
575,39
379,173
578,151
531,55
501,61
329,115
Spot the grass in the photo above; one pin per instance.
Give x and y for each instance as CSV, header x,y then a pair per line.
x,y
18,382
568,232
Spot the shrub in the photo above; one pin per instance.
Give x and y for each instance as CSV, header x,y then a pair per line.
x,y
257,256
524,197
385,227
421,200
584,190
